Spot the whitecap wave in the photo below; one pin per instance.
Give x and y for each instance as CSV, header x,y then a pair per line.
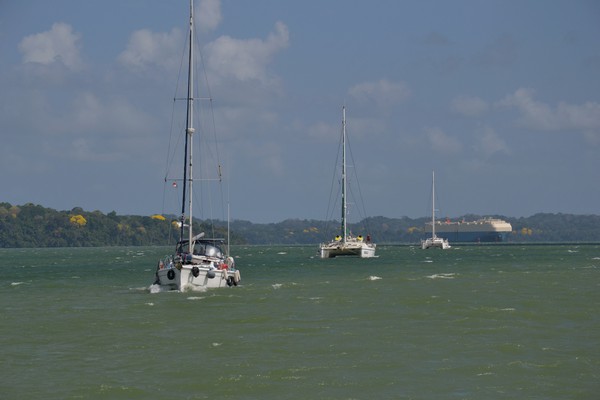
x,y
155,288
195,289
374,278
442,276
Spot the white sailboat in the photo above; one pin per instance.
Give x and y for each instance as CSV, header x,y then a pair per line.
x,y
345,244
434,241
198,262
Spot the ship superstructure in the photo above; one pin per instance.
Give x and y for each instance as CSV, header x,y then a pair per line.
x,y
481,230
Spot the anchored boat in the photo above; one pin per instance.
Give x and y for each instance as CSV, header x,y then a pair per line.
x,y
197,262
345,244
434,241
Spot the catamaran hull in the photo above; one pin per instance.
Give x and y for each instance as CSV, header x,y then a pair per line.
x,y
335,250
435,243
193,277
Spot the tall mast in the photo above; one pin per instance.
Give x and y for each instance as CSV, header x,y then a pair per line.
x,y
189,129
433,204
344,206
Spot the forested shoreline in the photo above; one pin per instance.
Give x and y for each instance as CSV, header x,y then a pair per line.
x,y
32,225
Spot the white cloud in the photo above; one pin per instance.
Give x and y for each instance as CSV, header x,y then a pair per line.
x,y
470,106
441,142
208,15
489,143
99,129
246,59
58,45
146,48
383,92
534,114
584,118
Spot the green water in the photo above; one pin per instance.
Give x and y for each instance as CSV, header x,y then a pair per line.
x,y
473,322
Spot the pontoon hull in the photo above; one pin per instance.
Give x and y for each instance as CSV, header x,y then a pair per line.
x,y
436,243
335,249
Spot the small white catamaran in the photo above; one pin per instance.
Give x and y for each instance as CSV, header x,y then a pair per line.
x,y
346,244
434,241
198,262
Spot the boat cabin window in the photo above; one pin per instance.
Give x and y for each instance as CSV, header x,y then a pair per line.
x,y
208,250
202,249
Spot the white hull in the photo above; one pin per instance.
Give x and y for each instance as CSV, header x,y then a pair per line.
x,y
346,244
356,249
195,277
435,242
197,263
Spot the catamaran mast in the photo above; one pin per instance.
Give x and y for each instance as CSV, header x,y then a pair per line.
x,y
433,204
344,206
189,129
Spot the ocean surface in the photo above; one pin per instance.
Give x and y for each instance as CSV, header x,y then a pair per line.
x,y
472,322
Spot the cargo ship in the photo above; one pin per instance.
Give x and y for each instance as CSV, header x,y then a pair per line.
x,y
482,230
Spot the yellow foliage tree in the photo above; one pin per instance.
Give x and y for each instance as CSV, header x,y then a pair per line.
x,y
158,217
526,231
78,220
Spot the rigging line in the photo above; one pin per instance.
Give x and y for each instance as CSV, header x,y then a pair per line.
x,y
170,157
331,207
206,161
428,212
212,115
362,202
207,206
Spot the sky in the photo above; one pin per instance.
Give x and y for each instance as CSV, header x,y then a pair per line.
x,y
500,98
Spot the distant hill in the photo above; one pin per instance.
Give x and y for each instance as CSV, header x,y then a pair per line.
x,y
537,228
32,225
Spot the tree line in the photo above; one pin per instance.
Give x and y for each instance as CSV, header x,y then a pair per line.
x,y
31,225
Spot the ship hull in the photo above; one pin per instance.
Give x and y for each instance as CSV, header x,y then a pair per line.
x,y
478,237
484,230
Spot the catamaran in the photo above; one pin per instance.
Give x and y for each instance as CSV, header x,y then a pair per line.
x,y
198,262
434,241
346,244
